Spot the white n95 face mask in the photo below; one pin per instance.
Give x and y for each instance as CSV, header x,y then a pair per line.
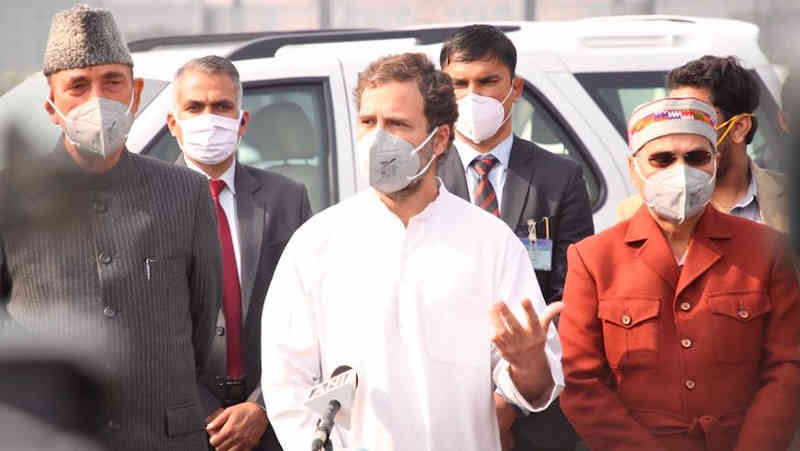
x,y
209,138
678,192
391,162
480,117
97,127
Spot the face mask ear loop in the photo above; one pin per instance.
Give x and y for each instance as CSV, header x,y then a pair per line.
x,y
714,175
730,123
55,108
504,102
426,141
423,170
509,93
130,104
638,171
428,165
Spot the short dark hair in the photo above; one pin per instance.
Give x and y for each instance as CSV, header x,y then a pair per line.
x,y
477,43
212,64
734,90
435,86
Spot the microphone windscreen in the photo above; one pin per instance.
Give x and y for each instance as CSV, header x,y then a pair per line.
x,y
341,369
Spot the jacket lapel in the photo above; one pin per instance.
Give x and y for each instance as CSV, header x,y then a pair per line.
x,y
654,252
703,252
252,218
519,183
772,202
451,171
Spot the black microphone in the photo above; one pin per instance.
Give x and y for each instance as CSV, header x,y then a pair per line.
x,y
331,398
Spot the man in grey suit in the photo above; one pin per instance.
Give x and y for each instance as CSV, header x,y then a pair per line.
x,y
541,196
257,211
97,240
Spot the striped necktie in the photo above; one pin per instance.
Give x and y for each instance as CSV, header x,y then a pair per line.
x,y
485,196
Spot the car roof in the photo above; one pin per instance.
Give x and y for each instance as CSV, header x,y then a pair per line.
x,y
600,44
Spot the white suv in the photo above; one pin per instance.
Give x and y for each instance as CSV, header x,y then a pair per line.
x,y
583,78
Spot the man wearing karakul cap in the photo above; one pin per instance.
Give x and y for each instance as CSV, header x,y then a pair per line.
x,y
680,324
96,238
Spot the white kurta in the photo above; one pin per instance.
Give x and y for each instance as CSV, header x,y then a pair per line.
x,y
408,309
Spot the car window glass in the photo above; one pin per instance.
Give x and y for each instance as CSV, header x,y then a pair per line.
x,y
288,134
534,121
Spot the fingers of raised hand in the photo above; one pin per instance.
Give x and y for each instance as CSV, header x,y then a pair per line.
x,y
549,314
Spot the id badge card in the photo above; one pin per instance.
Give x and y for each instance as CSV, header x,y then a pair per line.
x,y
540,250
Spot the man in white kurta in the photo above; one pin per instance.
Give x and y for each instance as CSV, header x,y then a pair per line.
x,y
407,305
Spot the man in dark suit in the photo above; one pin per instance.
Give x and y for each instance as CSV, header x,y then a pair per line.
x,y
97,240
257,212
541,196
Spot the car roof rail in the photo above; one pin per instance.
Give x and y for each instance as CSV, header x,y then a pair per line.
x,y
143,45
266,47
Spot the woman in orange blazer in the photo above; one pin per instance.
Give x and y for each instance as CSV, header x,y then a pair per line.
x,y
681,326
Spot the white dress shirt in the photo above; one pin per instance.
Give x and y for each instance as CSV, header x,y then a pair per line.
x,y
227,199
408,309
497,176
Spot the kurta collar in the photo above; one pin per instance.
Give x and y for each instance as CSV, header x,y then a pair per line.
x,y
428,212
72,175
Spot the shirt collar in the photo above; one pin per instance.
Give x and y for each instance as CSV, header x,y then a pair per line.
x,y
750,196
229,176
502,151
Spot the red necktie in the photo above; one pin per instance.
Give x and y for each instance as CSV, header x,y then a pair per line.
x,y
485,196
231,295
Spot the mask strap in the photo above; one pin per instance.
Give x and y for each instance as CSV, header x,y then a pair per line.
x,y
428,165
509,93
426,140
730,123
130,104
423,170
639,171
55,108
503,103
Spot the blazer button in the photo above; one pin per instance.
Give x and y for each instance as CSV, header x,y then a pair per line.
x,y
690,384
626,320
104,258
109,312
743,314
220,331
113,424
685,306
686,343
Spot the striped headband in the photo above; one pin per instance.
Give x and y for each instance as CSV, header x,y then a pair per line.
x,y
671,116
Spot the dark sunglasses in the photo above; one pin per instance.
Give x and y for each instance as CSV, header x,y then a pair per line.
x,y
693,158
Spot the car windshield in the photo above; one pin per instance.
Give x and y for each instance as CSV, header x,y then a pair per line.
x,y
618,93
25,126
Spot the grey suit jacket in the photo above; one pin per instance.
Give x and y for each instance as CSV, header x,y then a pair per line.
x,y
538,184
270,207
131,253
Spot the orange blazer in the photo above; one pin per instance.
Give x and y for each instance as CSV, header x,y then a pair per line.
x,y
706,357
